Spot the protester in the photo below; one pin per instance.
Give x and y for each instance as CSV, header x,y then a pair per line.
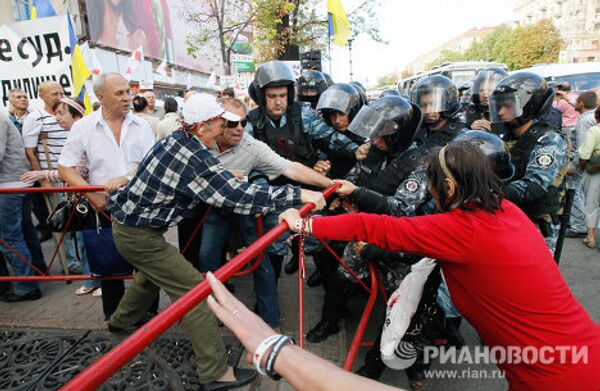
x,y
171,121
585,104
68,111
113,142
474,241
152,108
140,108
301,369
178,173
16,227
44,139
19,107
591,179
242,154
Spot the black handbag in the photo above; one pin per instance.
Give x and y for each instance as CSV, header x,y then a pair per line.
x,y
84,216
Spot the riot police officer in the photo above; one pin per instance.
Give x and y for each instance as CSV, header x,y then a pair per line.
x,y
520,102
478,116
390,123
328,79
294,132
311,84
361,90
338,106
437,96
389,92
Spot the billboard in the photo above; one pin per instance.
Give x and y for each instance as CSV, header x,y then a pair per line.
x,y
32,52
160,26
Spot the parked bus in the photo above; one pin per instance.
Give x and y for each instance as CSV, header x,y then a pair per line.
x,y
460,72
582,76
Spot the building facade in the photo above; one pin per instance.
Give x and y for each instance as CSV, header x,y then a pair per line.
x,y
578,22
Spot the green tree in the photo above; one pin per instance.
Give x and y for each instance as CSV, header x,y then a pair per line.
x,y
518,48
536,44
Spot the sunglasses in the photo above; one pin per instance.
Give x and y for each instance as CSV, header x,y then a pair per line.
x,y
234,124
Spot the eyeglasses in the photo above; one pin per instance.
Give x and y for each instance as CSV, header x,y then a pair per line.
x,y
234,124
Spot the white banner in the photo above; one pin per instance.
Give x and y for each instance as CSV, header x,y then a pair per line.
x,y
32,52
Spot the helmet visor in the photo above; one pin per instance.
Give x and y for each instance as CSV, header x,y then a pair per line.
x,y
483,86
274,71
505,107
432,100
371,125
334,100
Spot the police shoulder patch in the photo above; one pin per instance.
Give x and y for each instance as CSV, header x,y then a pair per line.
x,y
544,159
412,185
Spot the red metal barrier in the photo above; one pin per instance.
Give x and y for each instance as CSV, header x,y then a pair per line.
x,y
43,276
107,365
364,320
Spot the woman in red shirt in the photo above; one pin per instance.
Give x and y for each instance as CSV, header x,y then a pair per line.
x,y
500,273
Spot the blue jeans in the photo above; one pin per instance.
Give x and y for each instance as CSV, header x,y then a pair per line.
x,y
17,230
85,264
67,243
214,236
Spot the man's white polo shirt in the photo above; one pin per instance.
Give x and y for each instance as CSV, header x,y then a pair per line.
x,y
91,138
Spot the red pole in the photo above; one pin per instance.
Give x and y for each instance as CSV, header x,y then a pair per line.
x,y
63,189
301,271
107,365
362,326
70,277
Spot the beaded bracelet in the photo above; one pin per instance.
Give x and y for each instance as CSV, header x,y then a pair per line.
x,y
261,350
270,366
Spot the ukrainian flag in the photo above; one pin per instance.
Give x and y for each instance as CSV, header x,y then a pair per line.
x,y
42,9
339,28
80,71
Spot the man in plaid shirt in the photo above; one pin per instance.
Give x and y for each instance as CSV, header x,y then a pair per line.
x,y
176,175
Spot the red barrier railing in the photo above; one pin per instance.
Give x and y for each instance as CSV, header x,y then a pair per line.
x,y
44,276
107,365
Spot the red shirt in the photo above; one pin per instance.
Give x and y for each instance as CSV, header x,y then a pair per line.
x,y
502,279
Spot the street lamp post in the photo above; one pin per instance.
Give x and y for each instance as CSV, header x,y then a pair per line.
x,y
350,57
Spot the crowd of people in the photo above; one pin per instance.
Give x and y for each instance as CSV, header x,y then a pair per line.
x,y
438,171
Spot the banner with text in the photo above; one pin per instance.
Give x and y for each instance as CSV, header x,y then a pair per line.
x,y
32,52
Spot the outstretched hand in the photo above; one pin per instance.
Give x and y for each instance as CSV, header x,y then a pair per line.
x,y
290,216
346,187
245,324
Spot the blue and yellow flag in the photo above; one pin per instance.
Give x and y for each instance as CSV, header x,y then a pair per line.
x,y
42,9
80,70
339,28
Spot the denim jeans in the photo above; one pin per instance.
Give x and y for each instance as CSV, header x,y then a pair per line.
x,y
17,230
85,264
214,236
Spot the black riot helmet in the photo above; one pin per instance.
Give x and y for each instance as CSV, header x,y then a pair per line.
x,y
339,97
389,92
494,148
328,78
436,94
519,98
361,90
272,74
311,84
484,85
392,118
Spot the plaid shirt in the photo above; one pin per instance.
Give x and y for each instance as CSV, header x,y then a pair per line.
x,y
177,174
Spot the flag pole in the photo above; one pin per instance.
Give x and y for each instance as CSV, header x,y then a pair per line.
x,y
329,53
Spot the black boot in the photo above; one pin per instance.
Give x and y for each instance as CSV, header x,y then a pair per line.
x,y
276,261
292,266
314,279
322,330
373,367
452,331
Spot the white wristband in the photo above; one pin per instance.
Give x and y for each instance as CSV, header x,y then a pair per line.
x,y
260,352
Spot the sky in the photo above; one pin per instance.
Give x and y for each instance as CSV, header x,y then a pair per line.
x,y
412,27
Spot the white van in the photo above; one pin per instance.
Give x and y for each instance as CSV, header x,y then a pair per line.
x,y
582,76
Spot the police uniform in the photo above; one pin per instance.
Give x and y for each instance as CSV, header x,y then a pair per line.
x,y
540,159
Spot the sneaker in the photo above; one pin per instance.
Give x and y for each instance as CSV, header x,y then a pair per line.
x,y
82,290
97,293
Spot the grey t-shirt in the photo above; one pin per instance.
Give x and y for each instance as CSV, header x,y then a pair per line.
x,y
252,154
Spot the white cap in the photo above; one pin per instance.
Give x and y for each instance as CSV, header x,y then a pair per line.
x,y
204,107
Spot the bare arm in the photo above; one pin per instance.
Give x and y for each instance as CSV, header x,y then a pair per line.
x,y
31,154
300,173
303,370
73,178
